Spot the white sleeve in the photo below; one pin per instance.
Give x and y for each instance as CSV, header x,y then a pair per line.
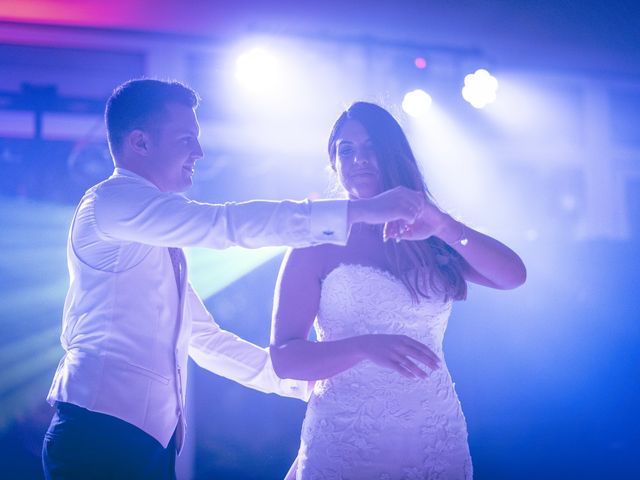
x,y
128,211
228,355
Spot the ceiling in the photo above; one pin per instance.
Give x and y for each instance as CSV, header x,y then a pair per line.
x,y
588,35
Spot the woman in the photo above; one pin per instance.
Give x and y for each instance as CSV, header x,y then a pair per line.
x,y
383,405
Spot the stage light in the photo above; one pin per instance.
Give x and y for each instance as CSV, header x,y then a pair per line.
x,y
416,103
257,69
480,88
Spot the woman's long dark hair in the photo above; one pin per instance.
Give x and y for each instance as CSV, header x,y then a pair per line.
x,y
423,266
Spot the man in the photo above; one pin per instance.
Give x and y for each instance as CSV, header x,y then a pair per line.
x,y
131,318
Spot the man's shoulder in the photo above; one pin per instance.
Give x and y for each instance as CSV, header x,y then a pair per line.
x,y
113,193
116,184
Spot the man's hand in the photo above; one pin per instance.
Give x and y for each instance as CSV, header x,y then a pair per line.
x,y
399,203
431,221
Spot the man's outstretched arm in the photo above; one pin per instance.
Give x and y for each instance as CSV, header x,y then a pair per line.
x,y
126,209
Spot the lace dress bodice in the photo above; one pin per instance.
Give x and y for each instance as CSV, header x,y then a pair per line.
x,y
358,299
369,422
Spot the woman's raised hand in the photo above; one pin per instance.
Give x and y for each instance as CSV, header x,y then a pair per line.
x,y
399,353
430,221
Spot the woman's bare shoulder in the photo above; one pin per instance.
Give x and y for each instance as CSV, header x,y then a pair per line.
x,y
317,259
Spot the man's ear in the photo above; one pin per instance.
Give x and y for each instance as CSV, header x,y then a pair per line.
x,y
139,142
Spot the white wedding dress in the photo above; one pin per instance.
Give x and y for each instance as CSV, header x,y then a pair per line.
x,y
369,422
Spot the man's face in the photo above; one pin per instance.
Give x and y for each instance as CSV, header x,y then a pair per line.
x,y
174,149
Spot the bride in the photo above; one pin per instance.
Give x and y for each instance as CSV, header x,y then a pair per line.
x,y
383,405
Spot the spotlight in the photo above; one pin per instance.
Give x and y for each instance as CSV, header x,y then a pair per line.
x,y
257,69
480,88
416,103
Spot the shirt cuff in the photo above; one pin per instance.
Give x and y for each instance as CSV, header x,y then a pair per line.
x,y
300,389
329,221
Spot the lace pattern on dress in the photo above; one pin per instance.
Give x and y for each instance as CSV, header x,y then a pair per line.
x,y
373,423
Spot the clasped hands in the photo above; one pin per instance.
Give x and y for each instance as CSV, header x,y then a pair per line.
x,y
407,215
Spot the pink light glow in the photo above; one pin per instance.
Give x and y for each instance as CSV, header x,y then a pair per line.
x,y
420,62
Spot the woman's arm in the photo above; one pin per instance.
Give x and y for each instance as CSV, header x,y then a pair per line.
x,y
296,305
489,262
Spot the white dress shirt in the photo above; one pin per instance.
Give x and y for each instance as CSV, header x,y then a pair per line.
x,y
127,330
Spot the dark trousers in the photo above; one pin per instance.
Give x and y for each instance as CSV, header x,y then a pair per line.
x,y
81,444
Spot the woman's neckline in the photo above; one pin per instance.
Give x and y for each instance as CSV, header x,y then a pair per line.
x,y
373,268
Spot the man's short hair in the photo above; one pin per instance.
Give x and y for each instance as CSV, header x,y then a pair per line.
x,y
137,103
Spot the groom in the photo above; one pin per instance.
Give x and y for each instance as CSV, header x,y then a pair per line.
x,y
131,318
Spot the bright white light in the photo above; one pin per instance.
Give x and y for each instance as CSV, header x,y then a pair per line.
x,y
480,88
257,69
416,103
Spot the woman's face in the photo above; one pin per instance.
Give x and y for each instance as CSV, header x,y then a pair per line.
x,y
356,161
